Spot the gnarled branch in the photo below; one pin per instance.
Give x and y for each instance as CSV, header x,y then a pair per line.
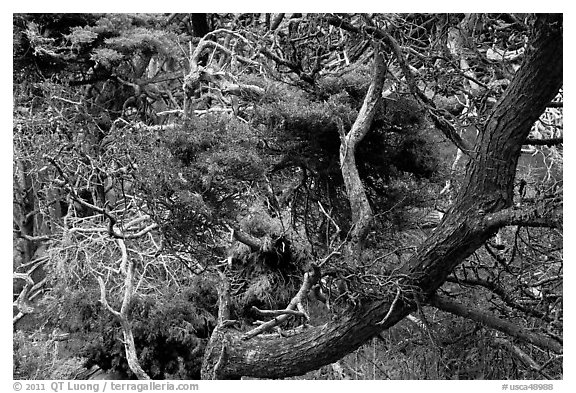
x,y
361,211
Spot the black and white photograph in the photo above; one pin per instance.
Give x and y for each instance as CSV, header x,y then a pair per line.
x,y
287,196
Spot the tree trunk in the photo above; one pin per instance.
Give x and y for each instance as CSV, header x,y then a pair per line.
x,y
130,348
488,188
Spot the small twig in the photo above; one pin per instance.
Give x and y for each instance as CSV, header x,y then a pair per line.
x,y
67,100
77,198
275,313
391,307
326,259
35,238
390,253
523,356
141,233
333,223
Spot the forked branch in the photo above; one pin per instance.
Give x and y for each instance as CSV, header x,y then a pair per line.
x,y
310,279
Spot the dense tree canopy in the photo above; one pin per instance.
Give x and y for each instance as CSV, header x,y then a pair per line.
x,y
261,195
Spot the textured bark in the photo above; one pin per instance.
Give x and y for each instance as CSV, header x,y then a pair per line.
x,y
305,349
359,205
487,189
488,186
528,217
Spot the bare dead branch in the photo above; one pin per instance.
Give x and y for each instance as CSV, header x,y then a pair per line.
x,y
103,299
501,293
242,90
361,211
546,281
67,100
23,276
74,195
122,316
439,121
277,59
204,44
275,313
523,356
541,341
35,238
383,321
324,260
310,279
207,41
141,232
22,302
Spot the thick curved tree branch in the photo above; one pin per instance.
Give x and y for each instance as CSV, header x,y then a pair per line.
x,y
488,188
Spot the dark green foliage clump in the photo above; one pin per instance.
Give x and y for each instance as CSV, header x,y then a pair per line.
x,y
170,331
308,129
353,85
399,150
